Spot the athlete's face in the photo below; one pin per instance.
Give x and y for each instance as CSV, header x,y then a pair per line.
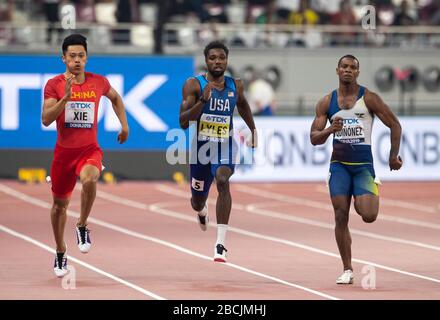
x,y
75,59
348,70
216,62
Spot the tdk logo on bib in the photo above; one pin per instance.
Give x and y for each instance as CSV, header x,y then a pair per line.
x,y
351,121
81,105
79,114
217,119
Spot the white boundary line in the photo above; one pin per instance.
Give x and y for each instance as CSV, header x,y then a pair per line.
x,y
256,209
80,262
299,201
37,202
159,209
319,205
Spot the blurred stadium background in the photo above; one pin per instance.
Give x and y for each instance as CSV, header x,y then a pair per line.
x,y
286,52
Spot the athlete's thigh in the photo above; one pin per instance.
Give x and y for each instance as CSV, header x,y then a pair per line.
x,y
200,179
365,190
340,180
367,205
63,175
91,156
364,180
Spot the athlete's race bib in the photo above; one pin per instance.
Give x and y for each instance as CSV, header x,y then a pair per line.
x,y
213,127
352,132
79,114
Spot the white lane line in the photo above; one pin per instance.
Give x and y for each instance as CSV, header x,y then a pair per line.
x,y
256,209
159,208
322,206
80,262
134,234
395,203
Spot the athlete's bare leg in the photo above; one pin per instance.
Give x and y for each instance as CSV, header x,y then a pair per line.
x,y
89,176
341,206
367,206
224,201
198,202
58,217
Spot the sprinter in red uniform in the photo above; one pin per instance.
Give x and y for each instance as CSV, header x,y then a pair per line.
x,y
72,99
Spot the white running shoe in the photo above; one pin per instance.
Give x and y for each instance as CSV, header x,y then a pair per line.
x,y
346,277
83,239
220,253
60,265
203,220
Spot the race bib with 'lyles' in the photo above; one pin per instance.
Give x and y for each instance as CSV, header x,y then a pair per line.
x,y
79,114
213,127
352,132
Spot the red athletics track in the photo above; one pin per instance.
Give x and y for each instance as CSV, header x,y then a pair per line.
x,y
147,245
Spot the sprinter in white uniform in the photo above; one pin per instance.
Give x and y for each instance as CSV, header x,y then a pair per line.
x,y
351,110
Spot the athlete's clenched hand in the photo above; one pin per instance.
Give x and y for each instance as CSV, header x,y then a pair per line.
x,y
123,135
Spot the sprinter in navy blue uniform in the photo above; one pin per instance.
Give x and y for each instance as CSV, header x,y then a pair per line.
x,y
209,101
351,109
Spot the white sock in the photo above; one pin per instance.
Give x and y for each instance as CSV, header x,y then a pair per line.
x,y
203,212
221,233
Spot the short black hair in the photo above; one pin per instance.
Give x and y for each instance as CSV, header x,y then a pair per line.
x,y
349,56
215,45
74,39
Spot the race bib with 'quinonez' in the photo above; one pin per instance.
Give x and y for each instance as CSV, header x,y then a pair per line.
x,y
79,114
213,127
352,132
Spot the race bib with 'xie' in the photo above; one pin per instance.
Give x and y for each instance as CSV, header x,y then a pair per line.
x,y
352,132
213,127
79,114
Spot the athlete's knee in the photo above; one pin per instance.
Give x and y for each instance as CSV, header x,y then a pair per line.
x,y
368,215
341,217
59,207
89,180
197,205
369,218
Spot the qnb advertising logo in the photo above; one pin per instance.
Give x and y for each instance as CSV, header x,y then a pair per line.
x,y
11,86
420,148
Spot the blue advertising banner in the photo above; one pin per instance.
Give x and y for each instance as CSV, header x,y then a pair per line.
x,y
150,87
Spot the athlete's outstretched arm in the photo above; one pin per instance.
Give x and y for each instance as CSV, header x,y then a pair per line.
x,y
376,105
119,108
52,107
245,112
318,133
191,105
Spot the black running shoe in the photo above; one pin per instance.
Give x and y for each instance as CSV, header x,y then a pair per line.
x,y
83,239
60,265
